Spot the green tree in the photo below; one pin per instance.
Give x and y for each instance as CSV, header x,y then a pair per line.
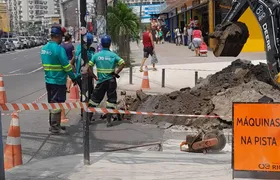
x,y
123,25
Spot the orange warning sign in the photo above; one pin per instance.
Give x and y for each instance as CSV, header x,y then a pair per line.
x,y
256,137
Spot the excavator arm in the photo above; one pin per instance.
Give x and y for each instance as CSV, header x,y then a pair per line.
x,y
231,35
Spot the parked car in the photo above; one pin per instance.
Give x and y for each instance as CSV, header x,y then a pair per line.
x,y
32,42
2,47
40,40
9,44
37,42
17,42
26,42
13,47
45,40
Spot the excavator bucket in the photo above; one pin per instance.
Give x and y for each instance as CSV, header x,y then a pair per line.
x,y
230,39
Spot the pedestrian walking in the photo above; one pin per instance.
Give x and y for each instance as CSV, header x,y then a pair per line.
x,y
106,62
149,48
197,39
177,36
161,40
57,67
186,35
190,31
70,50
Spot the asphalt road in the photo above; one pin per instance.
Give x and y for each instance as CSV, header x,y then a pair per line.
x,y
24,83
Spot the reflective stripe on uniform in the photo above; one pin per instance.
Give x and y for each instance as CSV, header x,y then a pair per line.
x,y
121,62
50,67
90,102
67,68
105,71
90,63
111,105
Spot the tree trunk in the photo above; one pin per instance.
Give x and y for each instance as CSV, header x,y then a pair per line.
x,y
124,49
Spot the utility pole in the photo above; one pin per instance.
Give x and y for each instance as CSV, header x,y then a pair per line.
x,y
85,81
141,7
101,9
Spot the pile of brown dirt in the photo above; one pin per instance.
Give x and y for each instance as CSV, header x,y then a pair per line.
x,y
239,82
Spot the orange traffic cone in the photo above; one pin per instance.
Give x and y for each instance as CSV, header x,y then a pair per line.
x,y
3,97
145,80
74,94
64,120
12,151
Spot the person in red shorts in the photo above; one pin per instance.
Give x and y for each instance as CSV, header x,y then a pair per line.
x,y
149,47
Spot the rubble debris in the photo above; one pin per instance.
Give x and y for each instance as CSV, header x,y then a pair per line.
x,y
123,93
239,82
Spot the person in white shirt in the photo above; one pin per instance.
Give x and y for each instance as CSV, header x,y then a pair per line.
x,y
190,30
177,36
185,36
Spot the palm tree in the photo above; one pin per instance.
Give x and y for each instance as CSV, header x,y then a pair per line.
x,y
123,24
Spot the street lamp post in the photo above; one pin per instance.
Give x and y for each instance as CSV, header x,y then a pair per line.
x,y
78,22
141,7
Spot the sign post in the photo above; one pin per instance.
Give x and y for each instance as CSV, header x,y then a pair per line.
x,y
85,81
2,169
256,140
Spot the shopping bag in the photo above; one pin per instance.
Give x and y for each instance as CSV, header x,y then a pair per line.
x,y
154,58
192,47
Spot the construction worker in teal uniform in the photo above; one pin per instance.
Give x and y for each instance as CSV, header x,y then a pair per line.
x,y
106,62
77,61
56,66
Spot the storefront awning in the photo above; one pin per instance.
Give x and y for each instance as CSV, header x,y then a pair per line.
x,y
201,4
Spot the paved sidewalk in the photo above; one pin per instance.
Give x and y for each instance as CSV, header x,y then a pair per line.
x,y
169,53
129,166
176,76
180,66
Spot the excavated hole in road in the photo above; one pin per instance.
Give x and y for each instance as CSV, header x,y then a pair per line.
x,y
239,82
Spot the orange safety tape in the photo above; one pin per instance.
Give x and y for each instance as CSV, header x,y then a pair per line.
x,y
80,105
38,99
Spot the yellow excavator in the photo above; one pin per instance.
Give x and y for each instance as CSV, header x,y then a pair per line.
x,y
231,35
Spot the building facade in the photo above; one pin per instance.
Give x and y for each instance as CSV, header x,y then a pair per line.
x,y
34,10
138,2
4,18
70,12
15,10
210,13
21,11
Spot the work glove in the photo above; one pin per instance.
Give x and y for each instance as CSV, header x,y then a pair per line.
x,y
115,75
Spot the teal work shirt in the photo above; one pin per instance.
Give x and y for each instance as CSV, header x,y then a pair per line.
x,y
56,64
105,62
78,62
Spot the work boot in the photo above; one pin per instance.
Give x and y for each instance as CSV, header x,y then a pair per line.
x,y
54,120
58,131
119,117
109,120
54,130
